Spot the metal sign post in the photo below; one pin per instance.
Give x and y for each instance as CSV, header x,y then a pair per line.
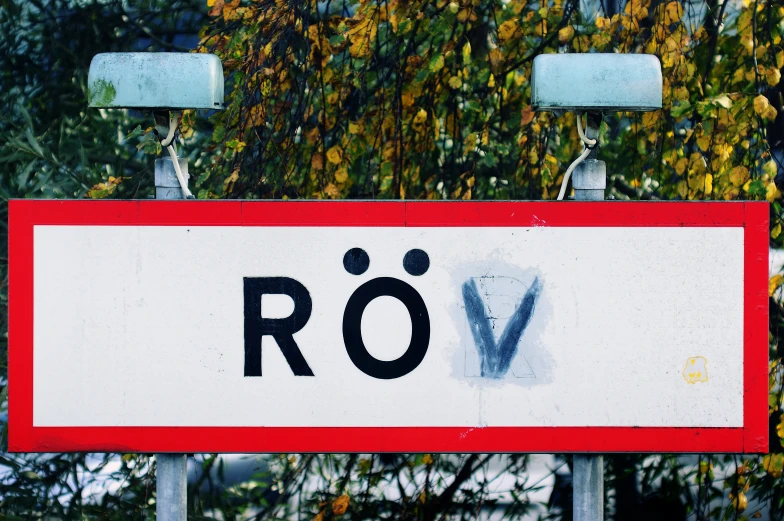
x,y
171,483
589,182
171,487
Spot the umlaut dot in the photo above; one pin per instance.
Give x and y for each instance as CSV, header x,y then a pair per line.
x,y
356,261
416,262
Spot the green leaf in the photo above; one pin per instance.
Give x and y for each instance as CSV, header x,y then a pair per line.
x,y
134,133
218,133
757,188
490,160
436,63
681,109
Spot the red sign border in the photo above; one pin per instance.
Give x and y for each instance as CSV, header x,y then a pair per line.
x,y
25,437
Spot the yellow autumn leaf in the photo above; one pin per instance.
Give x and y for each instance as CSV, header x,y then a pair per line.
x,y
774,283
540,29
420,117
780,427
739,502
341,175
637,8
681,164
319,516
229,9
496,58
467,53
565,34
739,175
650,118
776,231
331,191
228,183
773,76
455,82
340,505
361,37
772,192
770,168
507,29
723,151
469,143
773,464
101,190
708,184
761,105
696,164
703,142
317,162
335,155
427,459
217,8
673,13
256,116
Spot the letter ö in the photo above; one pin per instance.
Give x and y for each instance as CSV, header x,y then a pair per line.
x,y
356,262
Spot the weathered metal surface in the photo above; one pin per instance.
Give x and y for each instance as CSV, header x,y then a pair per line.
x,y
171,487
596,82
588,487
590,177
147,80
166,184
591,174
171,473
589,182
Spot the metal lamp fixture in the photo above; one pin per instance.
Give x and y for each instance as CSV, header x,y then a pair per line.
x,y
165,84
594,83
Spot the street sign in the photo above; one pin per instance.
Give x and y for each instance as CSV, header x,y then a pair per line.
x,y
157,326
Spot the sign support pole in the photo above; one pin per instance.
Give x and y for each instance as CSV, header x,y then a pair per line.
x,y
171,484
589,182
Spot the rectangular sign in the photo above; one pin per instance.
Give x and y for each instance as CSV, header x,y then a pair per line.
x,y
185,326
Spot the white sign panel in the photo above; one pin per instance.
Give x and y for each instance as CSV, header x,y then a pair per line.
x,y
204,326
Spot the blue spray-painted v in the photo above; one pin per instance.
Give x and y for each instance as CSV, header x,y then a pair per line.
x,y
497,357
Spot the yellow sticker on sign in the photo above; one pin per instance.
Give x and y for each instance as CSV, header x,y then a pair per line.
x,y
696,370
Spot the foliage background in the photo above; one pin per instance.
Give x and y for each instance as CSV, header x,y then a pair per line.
x,y
419,99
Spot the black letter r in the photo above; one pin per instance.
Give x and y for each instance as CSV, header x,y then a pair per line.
x,y
281,329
